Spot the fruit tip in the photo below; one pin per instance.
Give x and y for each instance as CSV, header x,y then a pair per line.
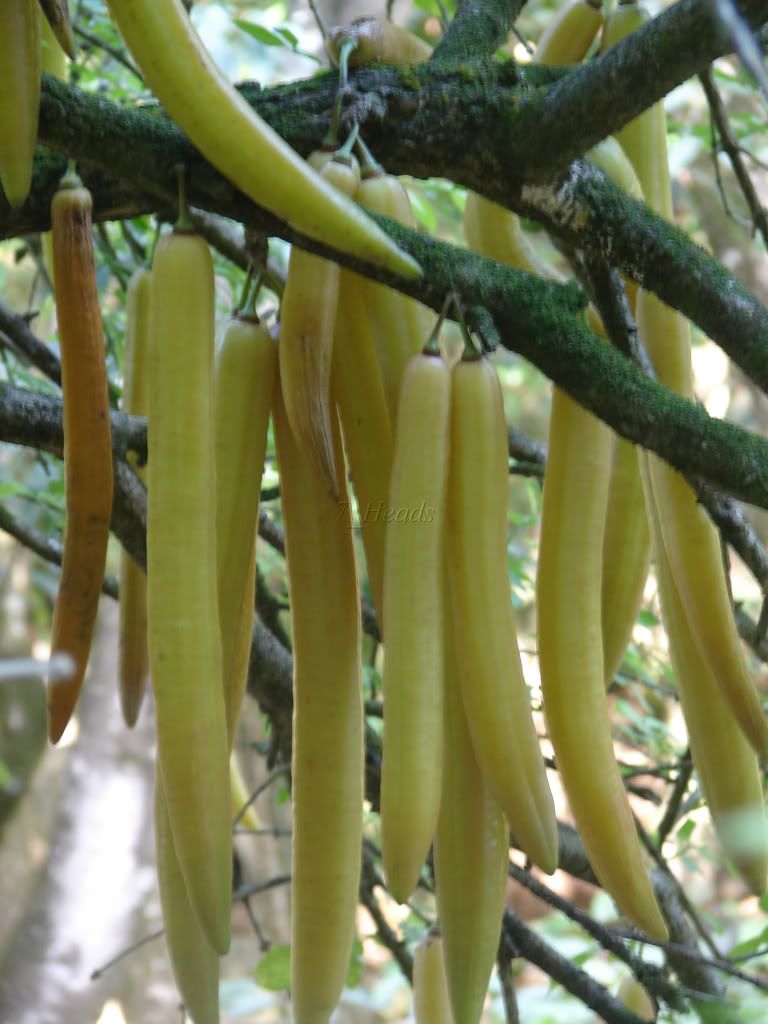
x,y
655,927
16,199
402,880
406,266
66,39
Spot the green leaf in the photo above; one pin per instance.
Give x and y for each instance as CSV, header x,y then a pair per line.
x,y
583,958
289,37
685,831
274,969
423,211
262,34
10,489
355,971
647,618
282,795
751,945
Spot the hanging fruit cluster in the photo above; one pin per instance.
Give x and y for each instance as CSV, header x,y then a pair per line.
x,y
355,388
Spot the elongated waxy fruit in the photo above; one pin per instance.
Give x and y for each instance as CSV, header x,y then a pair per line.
x,y
471,855
430,986
52,57
377,41
194,961
327,770
626,555
570,32
495,695
359,391
645,138
636,998
399,324
570,657
727,767
626,544
610,157
245,369
693,547
242,808
133,654
690,538
497,233
87,443
230,134
19,95
244,382
57,19
413,614
627,539
490,229
307,321
184,639
55,63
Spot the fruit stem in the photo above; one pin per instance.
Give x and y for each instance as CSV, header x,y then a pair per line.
x,y
432,347
369,165
183,221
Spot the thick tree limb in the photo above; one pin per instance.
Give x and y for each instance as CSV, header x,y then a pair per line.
x,y
468,119
36,421
600,97
25,342
586,210
477,31
539,320
591,213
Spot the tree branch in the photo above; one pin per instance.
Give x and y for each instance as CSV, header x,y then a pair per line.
x,y
36,421
586,210
728,143
25,342
589,212
478,29
612,225
481,122
600,97
45,547
538,319
576,981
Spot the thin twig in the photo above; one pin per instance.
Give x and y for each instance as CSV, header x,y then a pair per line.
x,y
670,815
682,896
507,983
253,888
717,962
23,341
572,978
653,977
95,975
387,936
731,147
113,52
47,548
275,774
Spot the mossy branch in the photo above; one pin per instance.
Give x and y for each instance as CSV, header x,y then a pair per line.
x,y
478,29
436,120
